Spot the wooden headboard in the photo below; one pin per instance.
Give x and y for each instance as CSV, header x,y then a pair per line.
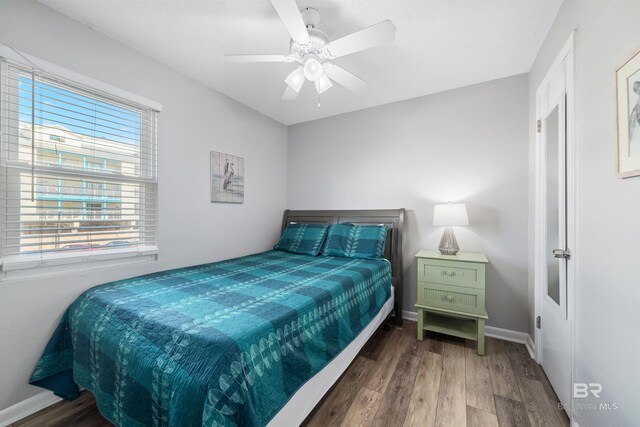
x,y
392,218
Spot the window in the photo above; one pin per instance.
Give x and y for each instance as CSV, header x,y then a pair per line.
x,y
78,177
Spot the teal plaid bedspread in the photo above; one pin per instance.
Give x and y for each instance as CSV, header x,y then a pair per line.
x,y
226,343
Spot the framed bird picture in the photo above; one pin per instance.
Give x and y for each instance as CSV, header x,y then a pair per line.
x,y
227,178
628,94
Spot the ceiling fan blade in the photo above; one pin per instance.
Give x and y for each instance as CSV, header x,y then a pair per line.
x,y
290,15
375,35
258,58
289,94
344,78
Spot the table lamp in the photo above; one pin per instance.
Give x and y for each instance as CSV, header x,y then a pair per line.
x,y
448,216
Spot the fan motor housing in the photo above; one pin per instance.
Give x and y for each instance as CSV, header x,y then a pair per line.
x,y
317,39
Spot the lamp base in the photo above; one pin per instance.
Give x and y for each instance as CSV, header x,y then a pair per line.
x,y
448,243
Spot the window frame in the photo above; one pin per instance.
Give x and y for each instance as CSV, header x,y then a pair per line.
x,y
148,177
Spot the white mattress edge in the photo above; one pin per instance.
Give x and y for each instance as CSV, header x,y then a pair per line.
x,y
307,397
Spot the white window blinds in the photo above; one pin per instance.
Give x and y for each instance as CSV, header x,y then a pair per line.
x,y
78,171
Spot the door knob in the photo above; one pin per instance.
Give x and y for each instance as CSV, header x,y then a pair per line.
x,y
562,253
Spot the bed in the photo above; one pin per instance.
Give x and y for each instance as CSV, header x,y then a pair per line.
x,y
254,340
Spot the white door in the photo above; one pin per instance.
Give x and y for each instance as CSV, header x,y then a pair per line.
x,y
553,228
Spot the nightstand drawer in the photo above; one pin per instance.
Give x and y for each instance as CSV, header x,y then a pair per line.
x,y
465,300
454,273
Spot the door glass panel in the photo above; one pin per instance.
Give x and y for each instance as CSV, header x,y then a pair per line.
x,y
553,226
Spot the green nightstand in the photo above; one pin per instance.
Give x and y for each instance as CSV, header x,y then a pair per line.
x,y
451,295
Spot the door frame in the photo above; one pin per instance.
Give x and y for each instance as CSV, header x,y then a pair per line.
x,y
567,52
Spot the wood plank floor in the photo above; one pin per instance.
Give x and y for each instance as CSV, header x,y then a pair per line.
x,y
397,380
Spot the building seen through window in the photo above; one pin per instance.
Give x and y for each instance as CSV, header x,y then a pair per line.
x,y
78,167
76,212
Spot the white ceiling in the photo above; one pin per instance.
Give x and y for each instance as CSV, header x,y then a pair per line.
x,y
440,45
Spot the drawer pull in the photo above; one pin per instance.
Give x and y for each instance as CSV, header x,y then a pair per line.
x,y
444,296
467,275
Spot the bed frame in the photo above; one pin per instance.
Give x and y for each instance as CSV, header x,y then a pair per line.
x,y
392,218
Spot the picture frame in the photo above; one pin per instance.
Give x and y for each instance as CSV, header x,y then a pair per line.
x,y
226,178
628,117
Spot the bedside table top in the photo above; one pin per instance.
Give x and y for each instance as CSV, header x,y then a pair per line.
x,y
460,256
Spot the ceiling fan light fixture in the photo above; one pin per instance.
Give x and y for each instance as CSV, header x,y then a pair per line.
x,y
312,68
295,79
311,48
323,84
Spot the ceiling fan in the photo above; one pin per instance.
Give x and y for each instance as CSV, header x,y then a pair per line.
x,y
311,49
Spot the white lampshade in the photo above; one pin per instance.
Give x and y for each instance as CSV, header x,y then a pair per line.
x,y
295,80
312,68
450,214
323,83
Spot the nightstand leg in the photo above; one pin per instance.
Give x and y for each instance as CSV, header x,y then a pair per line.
x,y
481,337
420,324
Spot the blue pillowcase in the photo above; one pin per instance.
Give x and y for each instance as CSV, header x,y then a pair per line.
x,y
304,239
355,241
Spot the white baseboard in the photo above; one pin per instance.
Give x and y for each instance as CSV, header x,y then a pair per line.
x,y
531,347
514,336
492,331
27,407
410,315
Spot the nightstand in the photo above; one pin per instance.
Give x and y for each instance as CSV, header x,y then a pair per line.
x,y
450,297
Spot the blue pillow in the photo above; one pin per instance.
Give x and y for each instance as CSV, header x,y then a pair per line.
x,y
302,238
355,241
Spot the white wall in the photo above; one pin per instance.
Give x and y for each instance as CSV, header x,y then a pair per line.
x,y
194,121
467,145
608,246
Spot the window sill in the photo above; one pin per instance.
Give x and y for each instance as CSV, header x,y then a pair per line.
x,y
46,262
